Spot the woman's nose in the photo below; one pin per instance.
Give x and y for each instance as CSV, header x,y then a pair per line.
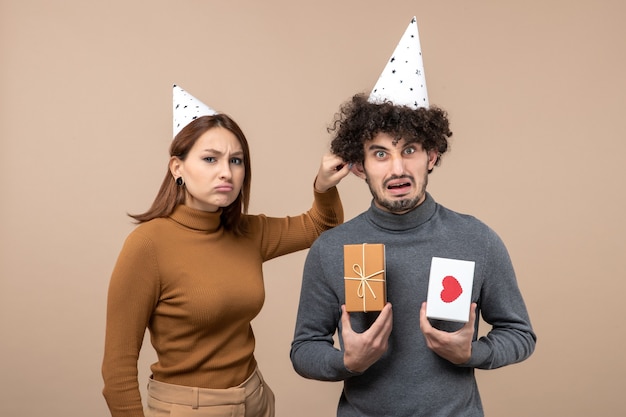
x,y
225,171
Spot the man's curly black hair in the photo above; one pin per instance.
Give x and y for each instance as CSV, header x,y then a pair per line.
x,y
359,121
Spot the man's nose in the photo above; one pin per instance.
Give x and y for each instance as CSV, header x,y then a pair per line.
x,y
397,165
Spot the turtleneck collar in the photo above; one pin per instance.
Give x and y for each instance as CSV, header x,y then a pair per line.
x,y
197,219
402,222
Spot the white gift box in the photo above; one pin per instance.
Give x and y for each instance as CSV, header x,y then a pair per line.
x,y
450,289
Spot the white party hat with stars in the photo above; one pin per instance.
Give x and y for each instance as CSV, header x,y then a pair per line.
x,y
402,82
187,108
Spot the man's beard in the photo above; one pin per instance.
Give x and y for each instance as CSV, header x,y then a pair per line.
x,y
403,205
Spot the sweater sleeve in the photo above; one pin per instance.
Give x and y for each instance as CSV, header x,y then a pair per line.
x,y
289,234
313,353
511,338
133,293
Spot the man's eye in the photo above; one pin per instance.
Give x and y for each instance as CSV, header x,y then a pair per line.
x,y
409,150
236,161
380,154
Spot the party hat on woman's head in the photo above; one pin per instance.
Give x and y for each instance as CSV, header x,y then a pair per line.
x,y
402,82
187,108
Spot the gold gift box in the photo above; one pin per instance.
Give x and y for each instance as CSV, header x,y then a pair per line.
x,y
364,277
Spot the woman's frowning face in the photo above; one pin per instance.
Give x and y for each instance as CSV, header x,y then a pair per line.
x,y
213,170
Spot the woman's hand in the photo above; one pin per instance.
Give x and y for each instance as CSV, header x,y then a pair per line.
x,y
332,170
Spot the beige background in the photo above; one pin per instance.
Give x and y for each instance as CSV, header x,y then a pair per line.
x,y
536,96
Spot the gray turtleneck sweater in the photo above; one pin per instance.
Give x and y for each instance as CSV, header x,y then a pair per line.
x,y
410,379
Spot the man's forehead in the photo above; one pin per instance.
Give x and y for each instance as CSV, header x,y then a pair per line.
x,y
385,141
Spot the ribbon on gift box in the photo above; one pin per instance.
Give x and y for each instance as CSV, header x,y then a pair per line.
x,y
364,279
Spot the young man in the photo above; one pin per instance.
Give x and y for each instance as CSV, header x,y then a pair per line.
x,y
397,362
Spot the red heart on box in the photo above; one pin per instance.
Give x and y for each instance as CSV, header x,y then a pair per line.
x,y
451,289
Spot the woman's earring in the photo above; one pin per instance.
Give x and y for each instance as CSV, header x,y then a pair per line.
x,y
179,181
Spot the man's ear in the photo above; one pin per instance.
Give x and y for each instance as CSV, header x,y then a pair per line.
x,y
433,156
357,169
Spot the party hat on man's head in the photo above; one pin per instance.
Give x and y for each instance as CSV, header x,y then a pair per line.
x,y
402,82
187,108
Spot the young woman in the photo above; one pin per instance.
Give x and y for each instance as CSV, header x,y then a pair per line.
x,y
191,272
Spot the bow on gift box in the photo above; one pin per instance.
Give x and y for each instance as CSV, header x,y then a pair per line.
x,y
364,280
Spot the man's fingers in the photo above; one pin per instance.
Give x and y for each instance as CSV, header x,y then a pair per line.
x,y
345,319
384,322
472,317
424,323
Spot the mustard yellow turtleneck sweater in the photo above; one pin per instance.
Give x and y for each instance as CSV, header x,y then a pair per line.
x,y
196,287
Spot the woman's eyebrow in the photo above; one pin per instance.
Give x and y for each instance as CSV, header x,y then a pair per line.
x,y
215,151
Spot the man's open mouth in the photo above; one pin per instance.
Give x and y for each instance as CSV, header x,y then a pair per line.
x,y
398,185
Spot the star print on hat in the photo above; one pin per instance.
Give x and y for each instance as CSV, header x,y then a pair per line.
x,y
187,108
402,82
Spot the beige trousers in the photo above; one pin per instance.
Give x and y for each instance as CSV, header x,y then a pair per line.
x,y
253,398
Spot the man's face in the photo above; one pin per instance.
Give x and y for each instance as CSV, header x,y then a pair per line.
x,y
396,172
